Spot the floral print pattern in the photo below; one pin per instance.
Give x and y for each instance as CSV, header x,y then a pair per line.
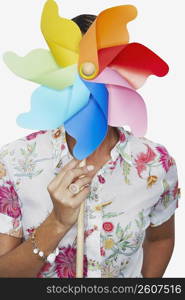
x,y
33,136
27,165
66,263
176,190
151,180
165,159
125,241
143,159
9,204
2,171
101,179
136,188
108,226
44,270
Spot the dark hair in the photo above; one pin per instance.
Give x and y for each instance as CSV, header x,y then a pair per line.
x,y
84,22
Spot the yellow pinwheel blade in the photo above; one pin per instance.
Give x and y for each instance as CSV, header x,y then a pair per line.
x,y
62,35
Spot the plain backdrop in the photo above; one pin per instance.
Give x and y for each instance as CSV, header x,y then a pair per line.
x,y
159,26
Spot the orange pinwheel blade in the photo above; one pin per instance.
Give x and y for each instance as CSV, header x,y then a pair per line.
x,y
109,30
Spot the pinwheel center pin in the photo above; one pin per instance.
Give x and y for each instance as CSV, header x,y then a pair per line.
x,y
88,70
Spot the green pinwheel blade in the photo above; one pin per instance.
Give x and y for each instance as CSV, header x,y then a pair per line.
x,y
39,66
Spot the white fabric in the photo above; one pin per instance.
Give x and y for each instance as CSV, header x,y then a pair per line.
x,y
140,180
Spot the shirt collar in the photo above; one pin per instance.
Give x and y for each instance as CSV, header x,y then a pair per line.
x,y
61,151
123,147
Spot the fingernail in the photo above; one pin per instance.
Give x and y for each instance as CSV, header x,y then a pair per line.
x,y
90,168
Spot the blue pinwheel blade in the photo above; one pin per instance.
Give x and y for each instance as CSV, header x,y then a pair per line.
x,y
51,108
100,94
89,126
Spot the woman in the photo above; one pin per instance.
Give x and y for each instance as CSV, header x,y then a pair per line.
x,y
130,189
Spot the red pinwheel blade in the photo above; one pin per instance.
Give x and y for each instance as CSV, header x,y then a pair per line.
x,y
136,62
107,55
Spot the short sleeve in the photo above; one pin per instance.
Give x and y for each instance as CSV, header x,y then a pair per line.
x,y
165,208
10,211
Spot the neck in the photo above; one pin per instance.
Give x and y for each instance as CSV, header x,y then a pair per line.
x,y
107,145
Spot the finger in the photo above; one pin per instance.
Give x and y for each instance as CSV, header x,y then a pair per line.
x,y
80,197
71,165
71,175
83,181
58,178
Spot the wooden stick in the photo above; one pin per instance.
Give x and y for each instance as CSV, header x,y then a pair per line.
x,y
80,237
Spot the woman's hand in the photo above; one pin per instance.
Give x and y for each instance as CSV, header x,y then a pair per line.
x,y
67,205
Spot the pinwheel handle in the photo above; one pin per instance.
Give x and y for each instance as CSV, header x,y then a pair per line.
x,y
80,237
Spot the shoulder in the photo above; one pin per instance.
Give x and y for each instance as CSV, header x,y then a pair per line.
x,y
138,144
27,143
144,150
149,156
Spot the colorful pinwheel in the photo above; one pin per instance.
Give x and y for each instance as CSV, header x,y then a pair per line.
x,y
88,82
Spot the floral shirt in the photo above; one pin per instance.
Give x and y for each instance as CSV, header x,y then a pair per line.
x,y
139,184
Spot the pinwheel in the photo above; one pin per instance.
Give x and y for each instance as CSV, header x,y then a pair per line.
x,y
87,82
90,79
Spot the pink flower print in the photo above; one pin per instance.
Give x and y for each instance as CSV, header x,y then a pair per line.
x,y
165,159
165,194
102,251
46,267
122,137
114,163
165,198
66,263
90,231
9,203
63,147
176,190
143,159
33,135
101,179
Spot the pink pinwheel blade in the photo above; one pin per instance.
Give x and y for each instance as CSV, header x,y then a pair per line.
x,y
126,106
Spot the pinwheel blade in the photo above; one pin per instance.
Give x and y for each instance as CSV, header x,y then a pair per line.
x,y
100,95
111,69
125,105
89,129
62,35
39,66
51,108
137,62
109,29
